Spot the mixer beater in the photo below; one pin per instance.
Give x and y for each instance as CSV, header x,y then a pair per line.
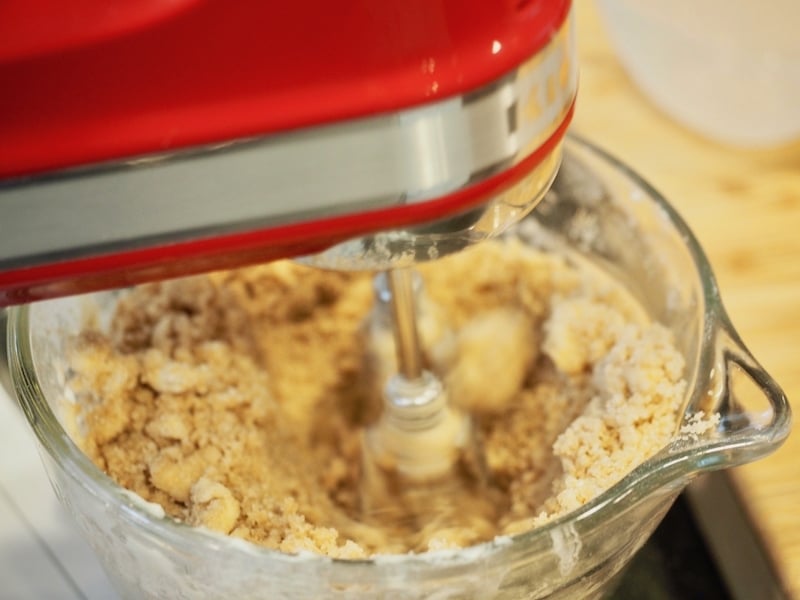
x,y
421,462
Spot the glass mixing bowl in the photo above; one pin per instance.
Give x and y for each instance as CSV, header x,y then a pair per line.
x,y
597,211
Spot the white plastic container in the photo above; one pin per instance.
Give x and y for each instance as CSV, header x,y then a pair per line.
x,y
729,69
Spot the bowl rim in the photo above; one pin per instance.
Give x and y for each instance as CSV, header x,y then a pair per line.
x,y
673,466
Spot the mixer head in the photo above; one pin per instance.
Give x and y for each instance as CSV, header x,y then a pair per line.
x,y
171,138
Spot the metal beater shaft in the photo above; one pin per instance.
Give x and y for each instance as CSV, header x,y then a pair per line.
x,y
404,323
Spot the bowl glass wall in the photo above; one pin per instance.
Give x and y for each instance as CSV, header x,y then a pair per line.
x,y
597,212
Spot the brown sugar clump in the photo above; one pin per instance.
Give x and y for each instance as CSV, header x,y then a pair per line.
x,y
236,400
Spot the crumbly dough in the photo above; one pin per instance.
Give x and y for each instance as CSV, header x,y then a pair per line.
x,y
237,400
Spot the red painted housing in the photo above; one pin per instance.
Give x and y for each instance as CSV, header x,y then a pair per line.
x,y
88,81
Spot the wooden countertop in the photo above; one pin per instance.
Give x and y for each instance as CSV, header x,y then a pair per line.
x,y
744,206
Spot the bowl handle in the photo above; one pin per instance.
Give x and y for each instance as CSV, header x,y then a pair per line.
x,y
755,417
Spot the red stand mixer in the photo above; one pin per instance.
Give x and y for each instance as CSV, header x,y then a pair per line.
x,y
150,139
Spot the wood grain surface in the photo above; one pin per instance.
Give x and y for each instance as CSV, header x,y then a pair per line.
x,y
744,206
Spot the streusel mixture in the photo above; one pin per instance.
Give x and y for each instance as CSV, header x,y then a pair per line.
x,y
237,400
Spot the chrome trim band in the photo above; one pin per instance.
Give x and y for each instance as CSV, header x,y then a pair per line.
x,y
377,162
